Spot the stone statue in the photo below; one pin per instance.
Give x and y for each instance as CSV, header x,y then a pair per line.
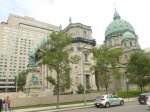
x,y
60,27
34,79
70,20
24,90
32,59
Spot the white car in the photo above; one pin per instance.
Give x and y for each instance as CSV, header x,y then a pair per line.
x,y
148,101
108,100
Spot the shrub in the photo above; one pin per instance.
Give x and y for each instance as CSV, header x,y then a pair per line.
x,y
130,94
80,89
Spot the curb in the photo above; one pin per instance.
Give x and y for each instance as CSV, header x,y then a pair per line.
x,y
90,105
65,107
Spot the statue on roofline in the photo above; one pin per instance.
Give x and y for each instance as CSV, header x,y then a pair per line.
x,y
70,20
60,27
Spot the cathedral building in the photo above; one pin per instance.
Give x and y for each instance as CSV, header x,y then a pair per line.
x,y
81,46
121,34
118,34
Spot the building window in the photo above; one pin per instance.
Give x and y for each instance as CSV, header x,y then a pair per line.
x,y
86,57
130,43
87,80
125,45
84,33
126,57
116,41
110,44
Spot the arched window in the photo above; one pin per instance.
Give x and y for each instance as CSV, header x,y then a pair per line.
x,y
84,33
126,57
86,57
87,80
130,43
116,41
110,44
125,45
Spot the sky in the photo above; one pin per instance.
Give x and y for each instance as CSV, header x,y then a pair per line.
x,y
95,13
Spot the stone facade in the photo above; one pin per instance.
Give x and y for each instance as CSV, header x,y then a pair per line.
x,y
80,73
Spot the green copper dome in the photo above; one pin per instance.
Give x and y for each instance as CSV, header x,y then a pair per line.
x,y
128,35
118,25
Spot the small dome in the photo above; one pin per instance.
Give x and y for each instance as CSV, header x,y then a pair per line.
x,y
118,25
128,35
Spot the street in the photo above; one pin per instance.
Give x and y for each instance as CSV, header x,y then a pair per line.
x,y
128,107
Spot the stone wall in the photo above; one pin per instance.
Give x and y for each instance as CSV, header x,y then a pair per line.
x,y
26,101
11,95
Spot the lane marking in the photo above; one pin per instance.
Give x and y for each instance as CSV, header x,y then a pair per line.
x,y
130,106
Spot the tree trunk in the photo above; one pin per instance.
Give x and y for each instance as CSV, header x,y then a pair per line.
x,y
106,87
141,89
96,80
57,89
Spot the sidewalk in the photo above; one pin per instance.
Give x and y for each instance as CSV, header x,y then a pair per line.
x,y
64,107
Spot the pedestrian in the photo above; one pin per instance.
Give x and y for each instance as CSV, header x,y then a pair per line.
x,y
1,104
6,104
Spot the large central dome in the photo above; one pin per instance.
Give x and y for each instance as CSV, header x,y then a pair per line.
x,y
118,26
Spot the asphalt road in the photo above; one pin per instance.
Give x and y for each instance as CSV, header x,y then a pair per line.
x,y
128,107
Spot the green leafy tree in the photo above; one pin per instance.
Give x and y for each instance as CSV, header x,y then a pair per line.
x,y
106,63
138,70
21,80
57,58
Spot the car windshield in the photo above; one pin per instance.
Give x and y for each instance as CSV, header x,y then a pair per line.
x,y
145,94
100,97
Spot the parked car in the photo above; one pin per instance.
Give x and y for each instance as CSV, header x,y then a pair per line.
x,y
108,100
148,101
143,97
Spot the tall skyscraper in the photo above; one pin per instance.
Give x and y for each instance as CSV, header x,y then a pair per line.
x,y
19,36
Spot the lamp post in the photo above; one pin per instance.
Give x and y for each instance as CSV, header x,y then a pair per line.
x,y
84,81
127,86
6,85
84,84
17,80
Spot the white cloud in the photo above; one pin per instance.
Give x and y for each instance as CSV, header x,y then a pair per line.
x,y
95,13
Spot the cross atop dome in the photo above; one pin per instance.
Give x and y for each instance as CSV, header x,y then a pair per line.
x,y
116,15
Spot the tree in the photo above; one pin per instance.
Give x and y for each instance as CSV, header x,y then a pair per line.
x,y
21,80
138,70
106,62
57,58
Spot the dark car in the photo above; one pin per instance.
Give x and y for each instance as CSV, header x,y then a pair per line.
x,y
143,97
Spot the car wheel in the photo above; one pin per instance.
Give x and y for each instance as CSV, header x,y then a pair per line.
x,y
141,102
107,105
121,103
97,106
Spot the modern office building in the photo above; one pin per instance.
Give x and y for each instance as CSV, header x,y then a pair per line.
x,y
18,36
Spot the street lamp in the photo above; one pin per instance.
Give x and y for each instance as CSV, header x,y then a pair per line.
x,y
17,80
84,81
6,85
84,84
127,86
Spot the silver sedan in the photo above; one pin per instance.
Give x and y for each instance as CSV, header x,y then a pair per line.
x,y
108,100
